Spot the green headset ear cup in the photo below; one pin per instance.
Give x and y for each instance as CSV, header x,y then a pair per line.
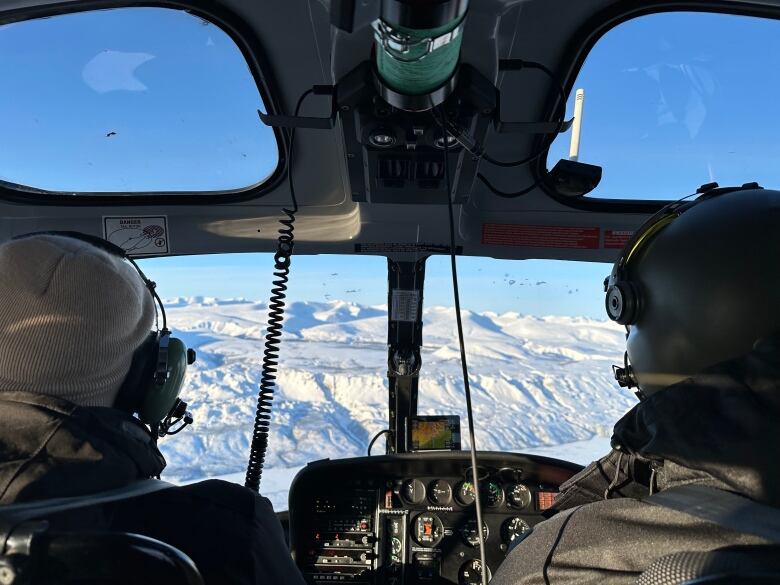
x,y
160,398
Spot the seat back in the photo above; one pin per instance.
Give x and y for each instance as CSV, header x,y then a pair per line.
x,y
38,556
35,550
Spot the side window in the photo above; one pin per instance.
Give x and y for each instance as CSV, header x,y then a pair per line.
x,y
129,100
676,100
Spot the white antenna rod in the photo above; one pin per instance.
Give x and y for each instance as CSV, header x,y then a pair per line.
x,y
576,129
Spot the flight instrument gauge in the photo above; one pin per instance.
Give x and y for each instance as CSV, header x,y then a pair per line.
x,y
413,491
465,493
494,494
427,529
396,545
519,496
471,573
469,532
513,528
440,492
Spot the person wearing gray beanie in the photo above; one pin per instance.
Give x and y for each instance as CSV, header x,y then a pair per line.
x,y
76,321
71,316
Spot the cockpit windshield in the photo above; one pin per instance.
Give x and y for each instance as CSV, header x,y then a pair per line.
x,y
690,93
539,346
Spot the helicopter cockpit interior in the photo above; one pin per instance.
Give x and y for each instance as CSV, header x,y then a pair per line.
x,y
404,130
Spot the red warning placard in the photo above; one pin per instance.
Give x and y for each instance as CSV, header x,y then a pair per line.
x,y
545,500
540,236
617,238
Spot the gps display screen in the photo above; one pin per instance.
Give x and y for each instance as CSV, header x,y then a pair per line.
x,y
434,433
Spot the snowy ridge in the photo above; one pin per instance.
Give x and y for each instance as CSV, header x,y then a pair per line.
x,y
536,382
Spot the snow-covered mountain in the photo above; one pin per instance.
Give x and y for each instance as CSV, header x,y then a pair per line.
x,y
537,383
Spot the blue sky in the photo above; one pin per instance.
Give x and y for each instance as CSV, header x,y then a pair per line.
x,y
149,98
131,99
533,287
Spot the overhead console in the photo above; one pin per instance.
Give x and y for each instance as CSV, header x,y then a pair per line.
x,y
410,519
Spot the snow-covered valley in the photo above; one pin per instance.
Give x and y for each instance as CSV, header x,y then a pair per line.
x,y
540,385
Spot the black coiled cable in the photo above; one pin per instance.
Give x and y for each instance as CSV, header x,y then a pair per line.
x,y
273,336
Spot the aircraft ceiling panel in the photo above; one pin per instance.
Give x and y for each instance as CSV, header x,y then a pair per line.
x,y
299,49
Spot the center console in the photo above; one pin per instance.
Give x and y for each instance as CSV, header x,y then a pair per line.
x,y
410,519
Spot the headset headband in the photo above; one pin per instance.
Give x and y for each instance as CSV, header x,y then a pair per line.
x,y
623,298
96,241
650,228
113,250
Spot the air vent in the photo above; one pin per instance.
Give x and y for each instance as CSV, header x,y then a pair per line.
x,y
429,173
404,172
393,171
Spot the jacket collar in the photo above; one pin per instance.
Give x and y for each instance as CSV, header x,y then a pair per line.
x,y
720,428
52,448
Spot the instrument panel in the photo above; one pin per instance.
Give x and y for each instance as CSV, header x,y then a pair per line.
x,y
410,519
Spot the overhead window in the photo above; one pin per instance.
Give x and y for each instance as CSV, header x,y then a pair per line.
x,y
675,100
126,101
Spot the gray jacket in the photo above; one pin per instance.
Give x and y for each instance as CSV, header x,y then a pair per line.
x,y
719,429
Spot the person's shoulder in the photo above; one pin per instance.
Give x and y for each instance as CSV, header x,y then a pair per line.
x,y
217,487
590,540
219,503
225,494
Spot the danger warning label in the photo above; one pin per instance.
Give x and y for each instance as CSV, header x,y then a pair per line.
x,y
141,235
617,238
540,236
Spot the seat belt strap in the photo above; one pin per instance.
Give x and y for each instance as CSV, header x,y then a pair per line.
x,y
725,509
13,515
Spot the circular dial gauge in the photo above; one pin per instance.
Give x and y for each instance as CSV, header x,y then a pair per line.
x,y
413,491
427,529
513,528
440,492
465,493
396,545
469,532
519,496
494,494
471,573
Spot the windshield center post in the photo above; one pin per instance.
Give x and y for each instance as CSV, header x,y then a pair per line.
x,y
404,339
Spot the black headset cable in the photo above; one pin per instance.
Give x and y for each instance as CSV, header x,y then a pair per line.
x,y
276,306
464,365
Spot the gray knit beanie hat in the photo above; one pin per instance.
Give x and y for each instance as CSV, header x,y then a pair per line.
x,y
71,316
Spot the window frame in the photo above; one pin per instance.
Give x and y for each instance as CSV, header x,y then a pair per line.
x,y
251,50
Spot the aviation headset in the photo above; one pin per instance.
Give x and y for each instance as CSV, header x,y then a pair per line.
x,y
152,386
623,301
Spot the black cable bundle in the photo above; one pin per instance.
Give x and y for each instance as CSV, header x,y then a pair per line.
x,y
273,337
478,150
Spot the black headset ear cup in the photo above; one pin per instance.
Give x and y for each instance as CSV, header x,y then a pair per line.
x,y
622,302
140,377
162,396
